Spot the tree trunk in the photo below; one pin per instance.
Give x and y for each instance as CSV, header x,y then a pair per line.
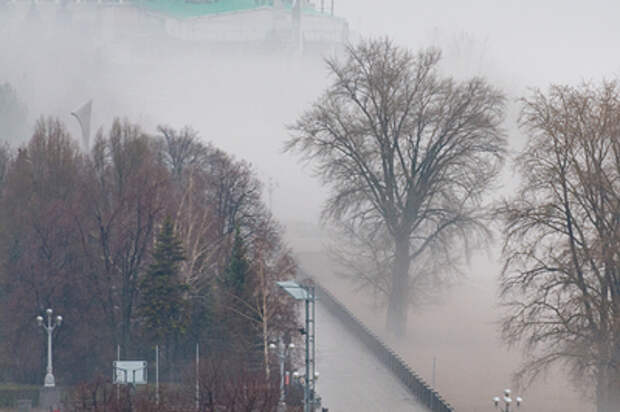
x,y
124,338
398,305
614,390
608,388
265,345
611,398
601,390
614,379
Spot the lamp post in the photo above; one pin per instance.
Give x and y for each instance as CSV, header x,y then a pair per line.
x,y
49,328
306,294
507,401
314,401
283,352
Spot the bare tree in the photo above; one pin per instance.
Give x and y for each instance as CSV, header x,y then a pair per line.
x,y
561,281
41,267
188,161
405,152
366,259
235,194
126,197
182,150
271,262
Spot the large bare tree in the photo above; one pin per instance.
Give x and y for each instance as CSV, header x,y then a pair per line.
x,y
127,195
407,153
561,281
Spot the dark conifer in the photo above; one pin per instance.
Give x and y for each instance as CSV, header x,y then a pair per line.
x,y
236,275
163,308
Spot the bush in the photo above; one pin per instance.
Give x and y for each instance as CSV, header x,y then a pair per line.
x,y
11,393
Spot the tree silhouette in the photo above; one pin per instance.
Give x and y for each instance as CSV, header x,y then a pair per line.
x,y
236,273
561,281
408,155
163,307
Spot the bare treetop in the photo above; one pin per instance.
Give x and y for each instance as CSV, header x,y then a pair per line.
x,y
402,148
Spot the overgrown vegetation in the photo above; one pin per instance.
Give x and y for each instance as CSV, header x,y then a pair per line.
x,y
145,240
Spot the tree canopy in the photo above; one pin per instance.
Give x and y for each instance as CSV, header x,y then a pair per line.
x,y
407,154
561,283
128,243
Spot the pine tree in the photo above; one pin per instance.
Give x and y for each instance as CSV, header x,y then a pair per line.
x,y
238,288
236,274
163,309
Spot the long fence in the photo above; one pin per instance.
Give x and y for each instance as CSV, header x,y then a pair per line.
x,y
415,384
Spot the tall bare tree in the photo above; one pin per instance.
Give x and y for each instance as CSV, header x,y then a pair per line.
x,y
561,281
271,262
188,161
126,198
41,265
407,153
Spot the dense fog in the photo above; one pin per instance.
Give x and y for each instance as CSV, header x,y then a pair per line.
x,y
241,100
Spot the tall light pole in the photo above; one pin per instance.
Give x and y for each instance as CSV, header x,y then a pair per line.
x,y
507,401
197,376
49,328
283,351
306,294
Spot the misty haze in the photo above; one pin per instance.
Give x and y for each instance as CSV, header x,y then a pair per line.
x,y
295,205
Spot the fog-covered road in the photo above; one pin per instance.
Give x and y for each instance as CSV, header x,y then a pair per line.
x,y
351,378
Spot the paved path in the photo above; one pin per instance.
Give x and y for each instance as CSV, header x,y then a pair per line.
x,y
351,378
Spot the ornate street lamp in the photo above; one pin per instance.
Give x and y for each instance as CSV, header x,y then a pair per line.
x,y
283,352
49,328
507,401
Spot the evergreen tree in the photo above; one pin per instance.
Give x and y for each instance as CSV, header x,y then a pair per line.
x,y
163,309
236,275
241,320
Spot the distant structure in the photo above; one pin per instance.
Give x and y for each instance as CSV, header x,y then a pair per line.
x,y
296,26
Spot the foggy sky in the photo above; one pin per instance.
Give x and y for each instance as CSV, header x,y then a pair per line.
x,y
538,42
242,104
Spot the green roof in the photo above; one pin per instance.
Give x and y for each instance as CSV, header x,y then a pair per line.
x,y
189,8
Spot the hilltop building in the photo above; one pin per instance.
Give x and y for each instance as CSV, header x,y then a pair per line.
x,y
295,26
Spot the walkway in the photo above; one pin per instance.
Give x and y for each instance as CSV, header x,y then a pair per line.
x,y
352,379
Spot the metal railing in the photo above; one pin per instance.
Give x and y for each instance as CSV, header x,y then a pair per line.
x,y
414,383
